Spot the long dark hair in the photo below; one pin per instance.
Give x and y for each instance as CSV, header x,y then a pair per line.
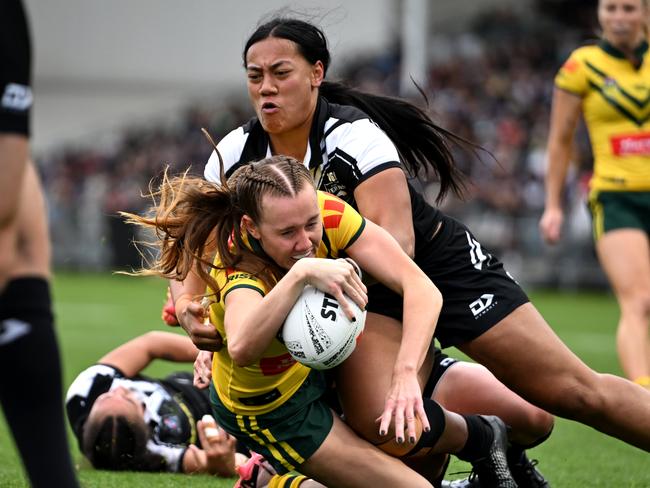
x,y
116,443
193,217
423,145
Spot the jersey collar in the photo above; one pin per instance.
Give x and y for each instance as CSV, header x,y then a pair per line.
x,y
321,114
639,51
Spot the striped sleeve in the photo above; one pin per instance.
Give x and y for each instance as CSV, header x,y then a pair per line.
x,y
342,223
230,148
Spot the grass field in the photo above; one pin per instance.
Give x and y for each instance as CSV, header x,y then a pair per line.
x,y
97,312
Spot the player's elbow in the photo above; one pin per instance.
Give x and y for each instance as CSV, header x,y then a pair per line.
x,y
241,352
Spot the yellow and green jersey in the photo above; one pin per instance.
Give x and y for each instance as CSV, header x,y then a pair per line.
x,y
265,385
616,107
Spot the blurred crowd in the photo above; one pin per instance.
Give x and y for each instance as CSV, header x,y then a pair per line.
x,y
490,85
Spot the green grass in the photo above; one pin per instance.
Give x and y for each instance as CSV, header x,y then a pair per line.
x,y
95,313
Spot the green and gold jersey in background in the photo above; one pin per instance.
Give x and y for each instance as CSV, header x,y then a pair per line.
x,y
616,107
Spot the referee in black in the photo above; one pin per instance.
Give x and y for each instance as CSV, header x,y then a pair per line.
x,y
30,369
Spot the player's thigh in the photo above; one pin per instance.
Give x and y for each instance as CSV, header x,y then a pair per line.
x,y
469,388
625,257
14,153
33,243
524,353
363,379
345,460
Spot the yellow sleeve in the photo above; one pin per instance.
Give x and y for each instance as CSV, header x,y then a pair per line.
x,y
343,224
239,279
572,76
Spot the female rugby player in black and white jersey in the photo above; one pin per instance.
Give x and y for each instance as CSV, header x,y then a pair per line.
x,y
357,146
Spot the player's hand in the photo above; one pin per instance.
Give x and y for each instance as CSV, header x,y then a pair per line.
x,y
192,318
338,278
550,225
169,311
203,369
404,404
219,447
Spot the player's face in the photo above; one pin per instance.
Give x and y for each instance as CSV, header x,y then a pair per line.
x,y
290,228
282,85
622,21
120,401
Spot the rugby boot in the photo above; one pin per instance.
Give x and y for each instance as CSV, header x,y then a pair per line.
x,y
492,471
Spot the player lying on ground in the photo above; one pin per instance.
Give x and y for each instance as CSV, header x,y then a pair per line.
x,y
126,421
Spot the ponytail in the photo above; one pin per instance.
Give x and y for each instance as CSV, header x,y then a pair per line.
x,y
421,143
193,218
187,215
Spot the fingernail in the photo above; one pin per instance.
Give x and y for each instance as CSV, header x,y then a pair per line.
x,y
400,440
382,432
412,440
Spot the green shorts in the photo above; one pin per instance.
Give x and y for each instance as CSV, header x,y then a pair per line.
x,y
288,435
612,210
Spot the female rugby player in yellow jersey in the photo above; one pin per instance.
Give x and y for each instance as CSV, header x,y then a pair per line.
x,y
270,228
609,84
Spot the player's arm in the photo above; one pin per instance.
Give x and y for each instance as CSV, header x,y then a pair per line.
x,y
252,320
191,314
379,254
565,112
135,355
394,216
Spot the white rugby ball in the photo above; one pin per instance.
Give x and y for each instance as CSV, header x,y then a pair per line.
x,y
317,332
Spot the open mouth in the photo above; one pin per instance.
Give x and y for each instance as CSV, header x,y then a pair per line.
x,y
303,255
269,106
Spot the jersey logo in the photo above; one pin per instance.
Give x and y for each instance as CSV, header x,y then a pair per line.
x,y
331,205
571,65
475,252
482,305
277,364
12,329
635,144
332,185
627,104
17,97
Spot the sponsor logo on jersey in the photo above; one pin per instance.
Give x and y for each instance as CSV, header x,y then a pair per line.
x,y
480,306
17,97
277,364
631,145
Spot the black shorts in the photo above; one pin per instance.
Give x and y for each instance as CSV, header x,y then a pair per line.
x,y
441,363
15,69
477,292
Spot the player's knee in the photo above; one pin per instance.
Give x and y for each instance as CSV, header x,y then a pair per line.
x,y
637,304
539,424
580,400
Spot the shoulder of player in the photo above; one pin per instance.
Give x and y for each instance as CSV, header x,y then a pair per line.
x,y
230,147
348,121
588,53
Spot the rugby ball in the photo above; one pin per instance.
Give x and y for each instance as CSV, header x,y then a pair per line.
x,y
317,332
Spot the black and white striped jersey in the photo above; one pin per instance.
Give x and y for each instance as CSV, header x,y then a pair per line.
x,y
171,409
345,148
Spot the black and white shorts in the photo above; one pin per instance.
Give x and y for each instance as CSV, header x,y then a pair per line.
x,y
441,363
477,291
15,69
